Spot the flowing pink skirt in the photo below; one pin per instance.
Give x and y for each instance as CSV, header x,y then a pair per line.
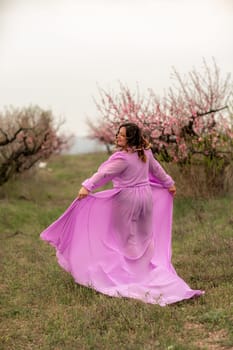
x,y
119,243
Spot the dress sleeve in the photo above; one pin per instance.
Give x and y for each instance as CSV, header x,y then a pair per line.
x,y
158,174
113,167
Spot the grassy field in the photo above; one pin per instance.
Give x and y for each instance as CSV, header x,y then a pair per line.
x,y
42,308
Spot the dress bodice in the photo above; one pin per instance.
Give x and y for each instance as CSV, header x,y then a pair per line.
x,y
126,169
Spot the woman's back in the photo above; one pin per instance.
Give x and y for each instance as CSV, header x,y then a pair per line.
x,y
135,173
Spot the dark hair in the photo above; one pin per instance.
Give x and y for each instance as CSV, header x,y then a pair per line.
x,y
135,139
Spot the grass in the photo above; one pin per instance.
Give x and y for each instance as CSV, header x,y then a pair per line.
x,y
42,308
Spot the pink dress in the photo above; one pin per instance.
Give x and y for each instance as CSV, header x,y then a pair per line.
x,y
118,241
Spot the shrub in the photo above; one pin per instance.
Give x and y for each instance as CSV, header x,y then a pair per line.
x,y
27,135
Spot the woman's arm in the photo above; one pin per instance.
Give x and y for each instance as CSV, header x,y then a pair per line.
x,y
157,170
106,172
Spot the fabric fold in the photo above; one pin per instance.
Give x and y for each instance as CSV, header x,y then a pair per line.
x,y
119,241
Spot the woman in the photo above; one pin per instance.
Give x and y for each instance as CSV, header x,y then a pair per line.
x,y
118,241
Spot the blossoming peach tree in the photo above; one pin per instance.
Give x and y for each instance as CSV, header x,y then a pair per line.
x,y
191,124
27,135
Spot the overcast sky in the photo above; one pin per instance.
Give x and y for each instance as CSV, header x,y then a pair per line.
x,y
54,53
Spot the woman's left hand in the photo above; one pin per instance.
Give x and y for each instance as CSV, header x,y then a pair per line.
x,y
83,192
172,190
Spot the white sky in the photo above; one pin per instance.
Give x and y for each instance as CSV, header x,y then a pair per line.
x,y
54,53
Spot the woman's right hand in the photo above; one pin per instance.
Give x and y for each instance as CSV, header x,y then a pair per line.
x,y
83,192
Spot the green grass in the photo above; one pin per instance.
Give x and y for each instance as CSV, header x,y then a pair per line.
x,y
42,308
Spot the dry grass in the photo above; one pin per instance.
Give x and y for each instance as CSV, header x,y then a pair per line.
x,y
195,181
